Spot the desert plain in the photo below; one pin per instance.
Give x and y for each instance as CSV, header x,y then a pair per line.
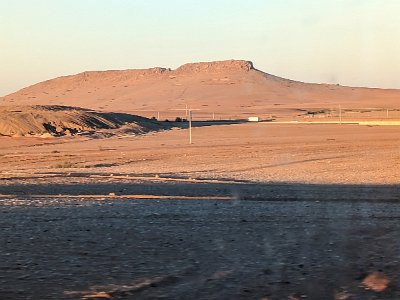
x,y
98,203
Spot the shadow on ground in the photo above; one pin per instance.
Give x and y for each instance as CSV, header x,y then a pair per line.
x,y
305,244
83,184
185,124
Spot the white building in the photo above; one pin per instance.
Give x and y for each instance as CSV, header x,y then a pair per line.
x,y
253,119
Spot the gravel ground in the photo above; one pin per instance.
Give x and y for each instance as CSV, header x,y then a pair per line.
x,y
168,249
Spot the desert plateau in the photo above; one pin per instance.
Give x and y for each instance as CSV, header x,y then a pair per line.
x,y
214,180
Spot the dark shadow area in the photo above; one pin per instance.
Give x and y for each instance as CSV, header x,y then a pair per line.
x,y
303,241
123,118
185,124
241,190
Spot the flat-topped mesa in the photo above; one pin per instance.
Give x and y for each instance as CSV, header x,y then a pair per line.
x,y
228,66
230,87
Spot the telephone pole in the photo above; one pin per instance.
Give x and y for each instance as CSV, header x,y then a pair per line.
x,y
190,127
189,115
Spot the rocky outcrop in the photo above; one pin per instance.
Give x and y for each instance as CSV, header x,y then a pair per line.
x,y
48,120
228,66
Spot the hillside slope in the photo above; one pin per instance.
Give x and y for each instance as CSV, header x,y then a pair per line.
x,y
226,88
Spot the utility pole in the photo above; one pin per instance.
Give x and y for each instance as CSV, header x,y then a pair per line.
x,y
190,127
189,115
158,116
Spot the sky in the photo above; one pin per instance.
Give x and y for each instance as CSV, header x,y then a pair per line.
x,y
350,42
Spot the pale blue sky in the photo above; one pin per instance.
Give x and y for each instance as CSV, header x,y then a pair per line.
x,y
351,42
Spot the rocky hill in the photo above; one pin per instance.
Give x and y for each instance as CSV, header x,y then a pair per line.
x,y
226,88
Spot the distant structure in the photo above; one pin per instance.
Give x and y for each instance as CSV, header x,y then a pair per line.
x,y
253,119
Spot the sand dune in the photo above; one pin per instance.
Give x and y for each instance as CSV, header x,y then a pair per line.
x,y
61,120
231,88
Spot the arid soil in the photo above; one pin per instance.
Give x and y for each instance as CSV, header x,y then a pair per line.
x,y
257,152
248,211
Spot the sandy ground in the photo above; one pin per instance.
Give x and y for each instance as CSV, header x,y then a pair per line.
x,y
249,211
259,152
